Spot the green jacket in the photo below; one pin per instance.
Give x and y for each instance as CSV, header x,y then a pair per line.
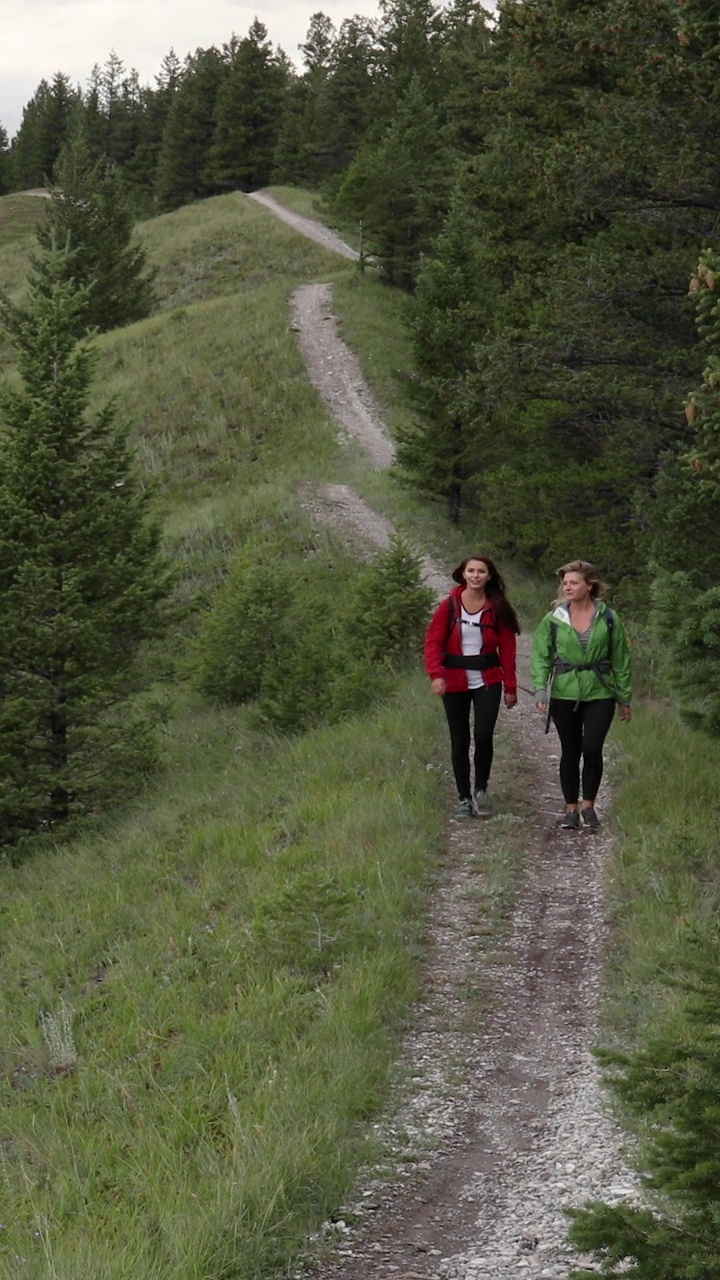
x,y
580,686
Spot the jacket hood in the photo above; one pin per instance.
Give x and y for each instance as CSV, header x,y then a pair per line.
x,y
562,610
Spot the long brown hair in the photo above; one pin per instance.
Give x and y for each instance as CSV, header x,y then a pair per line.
x,y
494,590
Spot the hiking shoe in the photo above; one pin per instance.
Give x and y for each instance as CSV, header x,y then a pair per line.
x,y
590,819
571,821
483,808
464,808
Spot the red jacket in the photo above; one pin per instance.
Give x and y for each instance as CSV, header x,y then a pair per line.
x,y
497,638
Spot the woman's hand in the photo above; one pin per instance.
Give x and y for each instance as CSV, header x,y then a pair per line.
x,y
542,706
625,714
438,686
510,700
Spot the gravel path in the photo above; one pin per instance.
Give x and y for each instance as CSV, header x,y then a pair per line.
x,y
335,372
308,227
498,1126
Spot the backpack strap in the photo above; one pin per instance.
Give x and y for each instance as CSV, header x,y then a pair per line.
x,y
610,623
452,618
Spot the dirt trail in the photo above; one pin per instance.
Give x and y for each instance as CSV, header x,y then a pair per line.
x,y
335,372
308,227
497,1126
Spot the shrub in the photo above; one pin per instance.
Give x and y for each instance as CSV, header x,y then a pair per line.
x,y
238,636
392,607
310,640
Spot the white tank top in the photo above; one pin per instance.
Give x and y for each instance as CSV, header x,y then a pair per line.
x,y
472,643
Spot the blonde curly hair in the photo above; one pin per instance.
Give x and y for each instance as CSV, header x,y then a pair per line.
x,y
598,588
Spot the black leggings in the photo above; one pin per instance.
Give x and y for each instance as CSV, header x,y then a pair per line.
x,y
582,728
486,705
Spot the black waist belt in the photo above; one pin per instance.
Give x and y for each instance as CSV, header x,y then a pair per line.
x,y
472,661
601,668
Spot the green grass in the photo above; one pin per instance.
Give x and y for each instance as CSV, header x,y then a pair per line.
x,y
230,244
666,867
214,391
299,200
240,947
19,216
237,952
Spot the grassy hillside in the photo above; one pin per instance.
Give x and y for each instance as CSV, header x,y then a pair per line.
x,y
19,216
199,997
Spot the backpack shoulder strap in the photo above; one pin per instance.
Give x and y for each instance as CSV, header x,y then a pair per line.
x,y
610,623
452,617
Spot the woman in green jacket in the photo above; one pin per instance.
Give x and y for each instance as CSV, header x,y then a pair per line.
x,y
581,669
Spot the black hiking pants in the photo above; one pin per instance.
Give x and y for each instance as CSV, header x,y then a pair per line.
x,y
582,728
485,704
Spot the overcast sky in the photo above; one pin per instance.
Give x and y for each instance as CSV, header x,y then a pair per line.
x,y
40,37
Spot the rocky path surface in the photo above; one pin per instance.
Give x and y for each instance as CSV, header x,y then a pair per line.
x,y
335,372
498,1125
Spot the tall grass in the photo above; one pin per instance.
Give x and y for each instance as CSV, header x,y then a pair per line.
x,y
19,216
666,868
237,952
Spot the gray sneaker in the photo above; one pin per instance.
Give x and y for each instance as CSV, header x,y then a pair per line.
x,y
483,808
464,808
571,821
591,822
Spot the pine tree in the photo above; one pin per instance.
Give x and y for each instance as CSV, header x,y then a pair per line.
x,y
468,69
81,574
91,210
345,103
112,79
93,119
189,131
438,453
142,170
301,141
5,163
44,128
410,42
685,521
248,115
294,159
398,187
590,195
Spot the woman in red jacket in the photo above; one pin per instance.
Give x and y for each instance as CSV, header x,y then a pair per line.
x,y
469,656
